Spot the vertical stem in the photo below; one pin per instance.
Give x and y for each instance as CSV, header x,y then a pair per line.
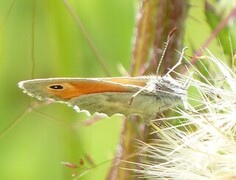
x,y
158,18
144,37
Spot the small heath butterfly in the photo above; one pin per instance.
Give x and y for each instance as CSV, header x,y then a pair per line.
x,y
144,95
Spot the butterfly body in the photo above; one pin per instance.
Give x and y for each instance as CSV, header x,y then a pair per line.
x,y
110,95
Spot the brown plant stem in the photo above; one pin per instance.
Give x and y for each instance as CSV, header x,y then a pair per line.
x,y
157,19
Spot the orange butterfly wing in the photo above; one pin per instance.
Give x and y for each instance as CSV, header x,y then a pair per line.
x,y
68,88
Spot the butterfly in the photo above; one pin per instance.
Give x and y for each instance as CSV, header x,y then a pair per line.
x,y
110,95
144,95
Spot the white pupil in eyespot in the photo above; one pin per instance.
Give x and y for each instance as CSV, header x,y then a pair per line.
x,y
56,86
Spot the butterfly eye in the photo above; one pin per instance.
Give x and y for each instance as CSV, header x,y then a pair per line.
x,y
56,86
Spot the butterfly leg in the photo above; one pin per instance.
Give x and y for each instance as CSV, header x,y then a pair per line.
x,y
136,94
179,61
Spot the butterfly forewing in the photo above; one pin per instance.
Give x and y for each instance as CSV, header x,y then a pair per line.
x,y
109,95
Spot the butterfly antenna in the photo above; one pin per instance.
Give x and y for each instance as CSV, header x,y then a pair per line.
x,y
165,48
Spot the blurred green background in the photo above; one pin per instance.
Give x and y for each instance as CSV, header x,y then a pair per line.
x,y
44,135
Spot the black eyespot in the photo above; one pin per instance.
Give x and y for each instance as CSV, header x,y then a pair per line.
x,y
56,86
